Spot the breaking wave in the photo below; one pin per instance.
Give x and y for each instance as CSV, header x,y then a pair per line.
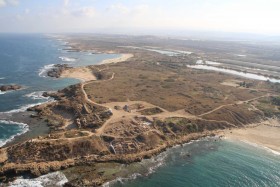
x,y
67,59
55,179
25,107
262,147
23,129
37,95
44,70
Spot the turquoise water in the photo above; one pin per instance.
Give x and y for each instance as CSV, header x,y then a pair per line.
x,y
24,60
212,164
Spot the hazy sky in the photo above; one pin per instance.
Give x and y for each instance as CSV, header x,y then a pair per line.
x,y
252,16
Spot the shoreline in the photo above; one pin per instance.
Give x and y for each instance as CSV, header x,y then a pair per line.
x,y
85,74
122,58
264,135
77,99
34,127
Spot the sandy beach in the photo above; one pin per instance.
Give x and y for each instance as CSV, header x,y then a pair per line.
x,y
82,73
265,134
124,57
85,74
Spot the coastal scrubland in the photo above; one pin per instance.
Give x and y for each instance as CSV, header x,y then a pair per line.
x,y
133,110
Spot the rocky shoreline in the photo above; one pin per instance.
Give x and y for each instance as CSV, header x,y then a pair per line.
x,y
57,70
116,125
62,149
36,169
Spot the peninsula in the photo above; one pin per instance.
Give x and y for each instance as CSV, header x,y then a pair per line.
x,y
136,106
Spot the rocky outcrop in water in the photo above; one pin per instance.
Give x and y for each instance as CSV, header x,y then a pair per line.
x,y
57,70
5,88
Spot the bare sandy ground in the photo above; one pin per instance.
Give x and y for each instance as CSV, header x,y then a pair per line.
x,y
82,73
124,57
85,74
265,134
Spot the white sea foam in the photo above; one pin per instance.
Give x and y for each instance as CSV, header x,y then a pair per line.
x,y
44,70
67,59
262,147
55,179
37,95
122,180
1,78
159,161
10,91
152,164
233,72
25,107
24,128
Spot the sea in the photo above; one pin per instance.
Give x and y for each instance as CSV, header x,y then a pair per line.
x,y
25,60
212,162
209,162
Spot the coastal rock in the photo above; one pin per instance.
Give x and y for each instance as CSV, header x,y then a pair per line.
x,y
57,70
5,88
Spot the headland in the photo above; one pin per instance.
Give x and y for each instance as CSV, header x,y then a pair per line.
x,y
134,107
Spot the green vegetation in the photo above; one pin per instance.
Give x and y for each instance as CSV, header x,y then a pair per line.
x,y
151,111
276,101
181,124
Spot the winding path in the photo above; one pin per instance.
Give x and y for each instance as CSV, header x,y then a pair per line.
x,y
118,114
236,103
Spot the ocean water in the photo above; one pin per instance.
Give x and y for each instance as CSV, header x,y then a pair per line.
x,y
24,60
54,179
208,163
